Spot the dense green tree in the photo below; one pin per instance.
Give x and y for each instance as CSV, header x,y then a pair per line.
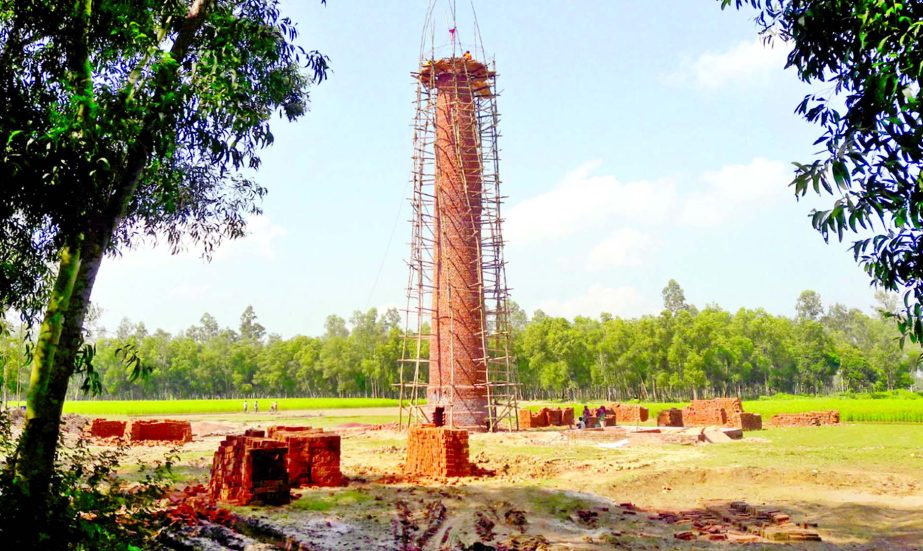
x,y
674,299
122,119
809,306
250,329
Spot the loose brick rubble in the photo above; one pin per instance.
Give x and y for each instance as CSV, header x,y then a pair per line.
x,y
437,452
735,522
142,431
249,469
806,419
672,417
722,412
632,414
104,428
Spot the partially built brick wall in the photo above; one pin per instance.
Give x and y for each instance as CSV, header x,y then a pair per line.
x,y
313,457
159,431
627,413
437,452
672,417
806,419
105,428
249,469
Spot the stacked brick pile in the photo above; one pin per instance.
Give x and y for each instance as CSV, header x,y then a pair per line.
x,y
546,417
704,412
160,431
313,457
806,419
533,419
726,412
631,414
553,416
104,428
142,431
248,469
279,430
437,452
746,421
672,417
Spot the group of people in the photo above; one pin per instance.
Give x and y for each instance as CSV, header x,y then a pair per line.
x,y
273,408
589,420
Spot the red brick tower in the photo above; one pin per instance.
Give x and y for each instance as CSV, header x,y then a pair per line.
x,y
457,371
456,362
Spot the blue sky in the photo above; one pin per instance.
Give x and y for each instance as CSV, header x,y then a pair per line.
x,y
641,141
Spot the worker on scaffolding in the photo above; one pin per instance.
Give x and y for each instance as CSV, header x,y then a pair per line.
x,y
467,55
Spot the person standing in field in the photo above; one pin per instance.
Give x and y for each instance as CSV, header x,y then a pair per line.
x,y
256,406
274,408
245,406
601,416
585,418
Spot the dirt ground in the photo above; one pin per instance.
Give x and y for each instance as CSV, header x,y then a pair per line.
x,y
862,485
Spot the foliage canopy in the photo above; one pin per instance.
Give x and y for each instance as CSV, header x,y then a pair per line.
x,y
871,51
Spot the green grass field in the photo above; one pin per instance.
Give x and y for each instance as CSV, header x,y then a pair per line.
x,y
180,407
898,408
902,407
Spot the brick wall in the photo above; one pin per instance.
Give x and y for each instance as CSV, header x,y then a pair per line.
x,y
806,419
249,469
437,452
104,428
672,417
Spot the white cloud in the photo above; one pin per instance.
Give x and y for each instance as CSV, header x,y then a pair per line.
x,y
749,62
625,248
582,201
619,301
733,189
260,241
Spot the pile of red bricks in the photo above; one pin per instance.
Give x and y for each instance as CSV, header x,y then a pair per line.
x,y
626,413
104,428
437,452
725,412
672,417
806,419
313,457
546,417
250,468
160,431
142,431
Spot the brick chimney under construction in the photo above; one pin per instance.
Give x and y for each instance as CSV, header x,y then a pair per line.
x,y
457,365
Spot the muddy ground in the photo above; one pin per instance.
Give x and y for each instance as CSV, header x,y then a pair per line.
x,y
861,485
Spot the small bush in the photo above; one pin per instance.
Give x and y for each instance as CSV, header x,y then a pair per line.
x,y
89,506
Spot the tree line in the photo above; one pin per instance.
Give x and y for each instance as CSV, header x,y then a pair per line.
x,y
681,353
